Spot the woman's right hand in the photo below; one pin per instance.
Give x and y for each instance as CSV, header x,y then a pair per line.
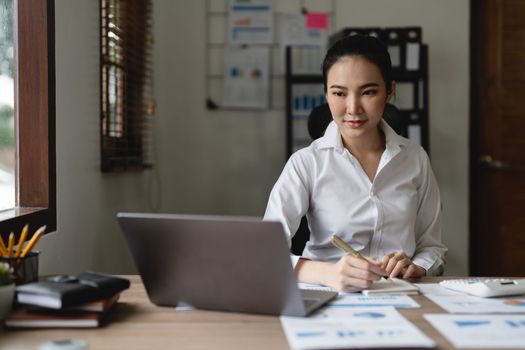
x,y
351,274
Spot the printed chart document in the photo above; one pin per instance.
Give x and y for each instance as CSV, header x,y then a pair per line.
x,y
467,304
250,22
460,303
354,300
336,328
481,331
347,300
246,77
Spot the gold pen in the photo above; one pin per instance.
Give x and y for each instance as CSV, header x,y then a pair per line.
x,y
339,243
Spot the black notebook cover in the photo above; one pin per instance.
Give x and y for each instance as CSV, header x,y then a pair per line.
x,y
87,287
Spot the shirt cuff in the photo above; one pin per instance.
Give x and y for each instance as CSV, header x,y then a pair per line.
x,y
433,268
294,259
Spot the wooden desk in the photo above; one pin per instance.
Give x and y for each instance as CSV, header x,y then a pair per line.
x,y
135,323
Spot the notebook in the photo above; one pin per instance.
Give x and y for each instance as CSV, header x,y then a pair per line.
x,y
102,305
25,318
391,286
217,263
79,289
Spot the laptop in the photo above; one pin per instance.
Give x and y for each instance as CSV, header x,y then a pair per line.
x,y
217,263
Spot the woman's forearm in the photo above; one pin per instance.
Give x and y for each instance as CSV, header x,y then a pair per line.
x,y
311,271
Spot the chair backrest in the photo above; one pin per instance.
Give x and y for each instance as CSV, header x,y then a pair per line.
x,y
396,119
318,121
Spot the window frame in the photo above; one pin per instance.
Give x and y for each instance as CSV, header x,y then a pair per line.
x,y
34,42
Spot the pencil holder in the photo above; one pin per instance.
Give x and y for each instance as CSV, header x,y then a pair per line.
x,y
25,269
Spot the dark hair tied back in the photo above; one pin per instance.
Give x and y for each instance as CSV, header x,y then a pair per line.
x,y
368,47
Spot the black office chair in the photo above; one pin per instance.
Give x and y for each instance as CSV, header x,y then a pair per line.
x,y
318,121
396,119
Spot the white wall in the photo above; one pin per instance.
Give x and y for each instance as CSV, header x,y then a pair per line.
x,y
220,162
87,234
223,162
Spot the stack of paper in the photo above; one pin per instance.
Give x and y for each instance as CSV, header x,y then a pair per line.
x,y
353,300
481,331
473,323
462,303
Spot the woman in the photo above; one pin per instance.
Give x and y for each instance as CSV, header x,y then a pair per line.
x,y
361,180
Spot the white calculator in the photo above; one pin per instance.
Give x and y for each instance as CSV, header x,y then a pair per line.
x,y
486,287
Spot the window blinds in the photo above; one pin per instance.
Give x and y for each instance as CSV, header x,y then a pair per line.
x,y
127,104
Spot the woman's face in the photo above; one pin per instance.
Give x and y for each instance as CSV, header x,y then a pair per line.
x,y
356,94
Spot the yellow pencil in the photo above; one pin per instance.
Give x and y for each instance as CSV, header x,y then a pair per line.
x,y
21,241
3,248
10,244
33,241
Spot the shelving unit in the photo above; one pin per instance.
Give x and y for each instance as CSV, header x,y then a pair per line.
x,y
303,93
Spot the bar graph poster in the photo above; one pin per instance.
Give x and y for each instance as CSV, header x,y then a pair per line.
x,y
246,77
306,97
250,22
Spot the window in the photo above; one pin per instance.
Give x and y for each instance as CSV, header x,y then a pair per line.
x,y
34,115
126,102
7,101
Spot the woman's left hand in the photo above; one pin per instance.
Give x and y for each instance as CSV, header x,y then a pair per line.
x,y
399,264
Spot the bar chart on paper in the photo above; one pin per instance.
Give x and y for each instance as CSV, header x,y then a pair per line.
x,y
305,97
336,328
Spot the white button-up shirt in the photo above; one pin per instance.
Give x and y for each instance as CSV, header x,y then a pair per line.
x,y
400,210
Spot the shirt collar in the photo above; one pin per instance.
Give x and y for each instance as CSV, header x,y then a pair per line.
x,y
332,138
